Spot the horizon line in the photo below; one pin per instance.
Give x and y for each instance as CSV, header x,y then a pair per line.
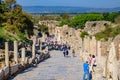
x,y
68,6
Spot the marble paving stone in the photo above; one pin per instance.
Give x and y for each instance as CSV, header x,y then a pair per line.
x,y
57,67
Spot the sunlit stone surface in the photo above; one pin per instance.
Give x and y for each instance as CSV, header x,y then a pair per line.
x,y
55,68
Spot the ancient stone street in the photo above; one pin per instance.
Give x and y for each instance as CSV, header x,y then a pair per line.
x,y
57,67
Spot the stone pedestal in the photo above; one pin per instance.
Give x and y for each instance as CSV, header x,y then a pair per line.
x,y
6,54
15,52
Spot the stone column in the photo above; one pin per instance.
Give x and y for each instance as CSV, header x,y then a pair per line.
x,y
43,37
23,55
112,69
99,51
58,37
33,51
87,44
40,44
15,52
119,52
93,47
34,41
6,54
82,45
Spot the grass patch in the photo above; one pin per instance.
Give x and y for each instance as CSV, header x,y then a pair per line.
x,y
83,34
109,32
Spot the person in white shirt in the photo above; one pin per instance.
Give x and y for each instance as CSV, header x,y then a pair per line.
x,y
93,63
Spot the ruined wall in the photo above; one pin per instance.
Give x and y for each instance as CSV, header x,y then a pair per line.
x,y
51,24
69,36
93,27
107,55
117,46
101,49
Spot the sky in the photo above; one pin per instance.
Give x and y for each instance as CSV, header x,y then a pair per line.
x,y
76,3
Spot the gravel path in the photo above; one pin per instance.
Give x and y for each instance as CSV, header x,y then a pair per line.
x,y
57,67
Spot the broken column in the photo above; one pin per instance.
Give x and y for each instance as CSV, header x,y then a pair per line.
x,y
6,54
15,52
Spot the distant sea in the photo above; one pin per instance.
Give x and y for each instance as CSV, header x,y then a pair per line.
x,y
66,9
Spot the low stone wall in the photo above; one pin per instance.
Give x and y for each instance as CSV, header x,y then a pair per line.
x,y
8,71
14,69
1,74
93,27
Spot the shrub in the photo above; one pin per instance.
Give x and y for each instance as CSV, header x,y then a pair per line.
x,y
80,20
108,32
83,34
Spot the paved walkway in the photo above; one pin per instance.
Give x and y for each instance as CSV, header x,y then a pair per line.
x,y
55,68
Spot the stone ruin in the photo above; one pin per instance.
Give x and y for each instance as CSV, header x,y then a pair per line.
x,y
52,24
107,55
90,45
93,27
20,62
64,35
69,36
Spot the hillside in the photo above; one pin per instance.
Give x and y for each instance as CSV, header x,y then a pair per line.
x,y
66,9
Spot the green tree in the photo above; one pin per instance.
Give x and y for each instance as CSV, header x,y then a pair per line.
x,y
117,19
65,19
63,22
2,10
65,16
15,20
110,16
109,32
106,15
43,28
80,20
26,23
10,3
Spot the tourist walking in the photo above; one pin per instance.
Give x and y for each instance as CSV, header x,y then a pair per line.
x,y
73,53
67,52
86,75
89,59
93,63
64,53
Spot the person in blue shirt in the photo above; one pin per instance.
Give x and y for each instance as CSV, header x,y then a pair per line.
x,y
86,71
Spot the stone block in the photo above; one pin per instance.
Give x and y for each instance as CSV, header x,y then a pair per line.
x,y
6,72
14,69
1,74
